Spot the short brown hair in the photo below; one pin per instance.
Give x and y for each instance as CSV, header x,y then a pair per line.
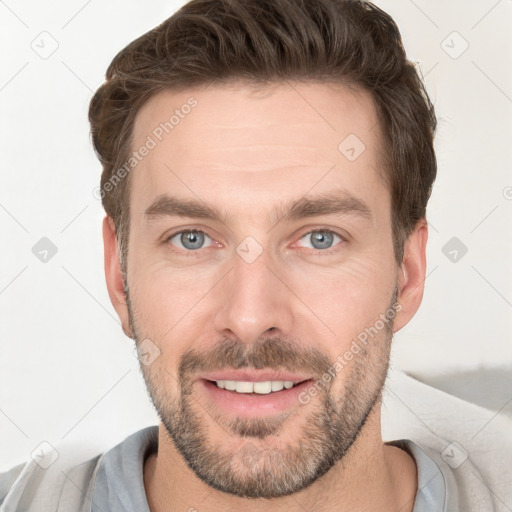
x,y
350,42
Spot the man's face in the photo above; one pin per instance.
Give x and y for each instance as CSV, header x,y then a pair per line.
x,y
278,295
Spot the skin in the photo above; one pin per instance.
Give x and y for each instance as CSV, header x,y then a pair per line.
x,y
244,152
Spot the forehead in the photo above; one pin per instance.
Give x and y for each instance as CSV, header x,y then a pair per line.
x,y
234,141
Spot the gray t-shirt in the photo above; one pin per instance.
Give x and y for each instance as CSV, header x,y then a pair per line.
x,y
119,485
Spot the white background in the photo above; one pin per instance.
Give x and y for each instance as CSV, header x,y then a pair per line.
x,y
67,372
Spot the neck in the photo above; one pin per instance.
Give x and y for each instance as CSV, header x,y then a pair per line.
x,y
371,476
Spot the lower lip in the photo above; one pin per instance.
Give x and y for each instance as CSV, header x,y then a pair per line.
x,y
250,405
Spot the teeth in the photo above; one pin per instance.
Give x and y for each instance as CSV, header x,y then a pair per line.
x,y
229,384
277,385
262,388
244,387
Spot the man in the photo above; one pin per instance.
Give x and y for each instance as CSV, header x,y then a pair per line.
x,y
266,170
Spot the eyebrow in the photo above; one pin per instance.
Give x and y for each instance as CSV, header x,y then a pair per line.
x,y
323,204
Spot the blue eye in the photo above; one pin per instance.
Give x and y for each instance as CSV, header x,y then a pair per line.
x,y
190,240
321,239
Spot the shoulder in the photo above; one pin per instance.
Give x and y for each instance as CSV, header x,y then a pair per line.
x,y
64,479
31,486
471,445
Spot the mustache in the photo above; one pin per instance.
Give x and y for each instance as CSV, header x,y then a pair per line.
x,y
271,353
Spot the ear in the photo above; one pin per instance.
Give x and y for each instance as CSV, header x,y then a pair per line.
x,y
411,275
114,276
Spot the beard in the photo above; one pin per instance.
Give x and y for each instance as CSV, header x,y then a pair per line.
x,y
270,463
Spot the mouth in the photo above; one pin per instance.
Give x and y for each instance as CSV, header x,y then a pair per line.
x,y
251,398
259,388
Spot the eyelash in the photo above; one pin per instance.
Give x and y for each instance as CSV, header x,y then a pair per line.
x,y
314,252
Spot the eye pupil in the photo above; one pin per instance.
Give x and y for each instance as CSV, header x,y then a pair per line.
x,y
193,237
323,237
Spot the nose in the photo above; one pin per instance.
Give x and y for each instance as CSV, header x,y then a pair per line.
x,y
254,301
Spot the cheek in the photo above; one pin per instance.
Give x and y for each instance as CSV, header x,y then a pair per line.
x,y
348,298
169,304
159,314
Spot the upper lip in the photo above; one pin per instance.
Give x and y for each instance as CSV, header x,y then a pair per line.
x,y
254,375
